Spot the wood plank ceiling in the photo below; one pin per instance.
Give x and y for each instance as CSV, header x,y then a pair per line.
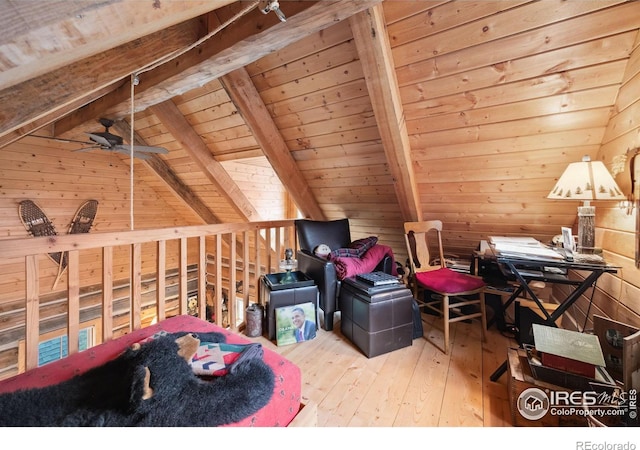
x,y
381,111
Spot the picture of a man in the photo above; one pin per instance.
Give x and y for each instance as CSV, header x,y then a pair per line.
x,y
304,329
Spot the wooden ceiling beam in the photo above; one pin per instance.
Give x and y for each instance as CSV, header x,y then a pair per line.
x,y
315,17
160,82
234,47
171,117
38,38
372,41
51,117
247,100
171,180
59,89
160,168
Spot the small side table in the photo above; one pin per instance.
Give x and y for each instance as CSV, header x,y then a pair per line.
x,y
376,319
274,294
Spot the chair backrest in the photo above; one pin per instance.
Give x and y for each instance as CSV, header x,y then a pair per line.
x,y
416,235
334,233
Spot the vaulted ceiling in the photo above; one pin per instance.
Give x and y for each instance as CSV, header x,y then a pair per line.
x,y
380,111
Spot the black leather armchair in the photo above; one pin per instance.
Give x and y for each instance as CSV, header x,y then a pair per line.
x,y
336,234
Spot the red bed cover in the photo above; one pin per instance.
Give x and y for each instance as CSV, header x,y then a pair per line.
x,y
282,408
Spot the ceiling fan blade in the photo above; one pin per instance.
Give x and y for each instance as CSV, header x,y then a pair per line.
x,y
57,139
87,149
143,148
125,151
99,140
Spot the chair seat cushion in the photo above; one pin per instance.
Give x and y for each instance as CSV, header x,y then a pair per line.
x,y
447,281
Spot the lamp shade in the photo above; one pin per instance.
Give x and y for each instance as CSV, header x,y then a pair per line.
x,y
586,180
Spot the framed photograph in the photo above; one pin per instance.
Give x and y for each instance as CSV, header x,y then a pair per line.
x,y
567,239
296,323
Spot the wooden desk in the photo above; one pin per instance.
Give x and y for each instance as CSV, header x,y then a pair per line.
x,y
526,269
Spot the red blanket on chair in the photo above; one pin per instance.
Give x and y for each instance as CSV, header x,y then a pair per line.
x,y
350,267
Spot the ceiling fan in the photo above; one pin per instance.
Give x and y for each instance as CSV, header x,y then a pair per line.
x,y
108,141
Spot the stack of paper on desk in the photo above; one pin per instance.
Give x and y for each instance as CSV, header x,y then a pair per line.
x,y
523,247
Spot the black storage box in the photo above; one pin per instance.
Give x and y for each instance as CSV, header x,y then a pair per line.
x,y
376,319
290,294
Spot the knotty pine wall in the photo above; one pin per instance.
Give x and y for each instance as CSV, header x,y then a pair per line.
x,y
486,152
617,231
59,180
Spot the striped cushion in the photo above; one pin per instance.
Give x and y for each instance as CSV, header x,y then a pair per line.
x,y
356,248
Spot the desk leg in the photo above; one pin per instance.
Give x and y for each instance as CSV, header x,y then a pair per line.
x,y
499,371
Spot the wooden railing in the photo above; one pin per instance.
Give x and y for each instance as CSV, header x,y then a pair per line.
x,y
253,249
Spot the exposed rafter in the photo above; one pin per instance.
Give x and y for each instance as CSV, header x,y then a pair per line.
x,y
372,41
79,80
175,122
247,99
253,39
170,179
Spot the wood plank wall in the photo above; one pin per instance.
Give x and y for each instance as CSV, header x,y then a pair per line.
x,y
316,93
484,153
59,180
616,230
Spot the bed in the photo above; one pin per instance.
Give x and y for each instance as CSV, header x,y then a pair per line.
x,y
283,405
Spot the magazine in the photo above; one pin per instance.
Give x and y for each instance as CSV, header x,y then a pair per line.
x,y
296,323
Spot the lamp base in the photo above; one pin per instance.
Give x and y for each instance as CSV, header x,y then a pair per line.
x,y
586,229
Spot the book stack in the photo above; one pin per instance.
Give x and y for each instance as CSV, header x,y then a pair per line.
x,y
568,358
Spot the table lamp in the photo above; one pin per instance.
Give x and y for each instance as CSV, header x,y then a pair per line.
x,y
586,180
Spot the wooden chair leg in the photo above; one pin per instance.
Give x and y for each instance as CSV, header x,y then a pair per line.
x,y
445,313
483,317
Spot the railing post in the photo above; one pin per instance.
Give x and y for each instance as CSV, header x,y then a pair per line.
x,y
232,303
32,307
202,277
218,280
182,299
136,286
73,309
161,282
107,293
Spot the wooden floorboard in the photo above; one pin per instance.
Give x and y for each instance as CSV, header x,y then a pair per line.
x,y
417,386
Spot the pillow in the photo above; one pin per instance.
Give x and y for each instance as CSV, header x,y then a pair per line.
x,y
356,249
322,251
218,359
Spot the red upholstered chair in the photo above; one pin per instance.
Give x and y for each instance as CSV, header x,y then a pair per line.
x,y
458,296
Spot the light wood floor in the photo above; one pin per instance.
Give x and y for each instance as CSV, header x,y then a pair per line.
x,y
414,386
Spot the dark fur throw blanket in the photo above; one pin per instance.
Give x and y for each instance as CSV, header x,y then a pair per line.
x,y
151,384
